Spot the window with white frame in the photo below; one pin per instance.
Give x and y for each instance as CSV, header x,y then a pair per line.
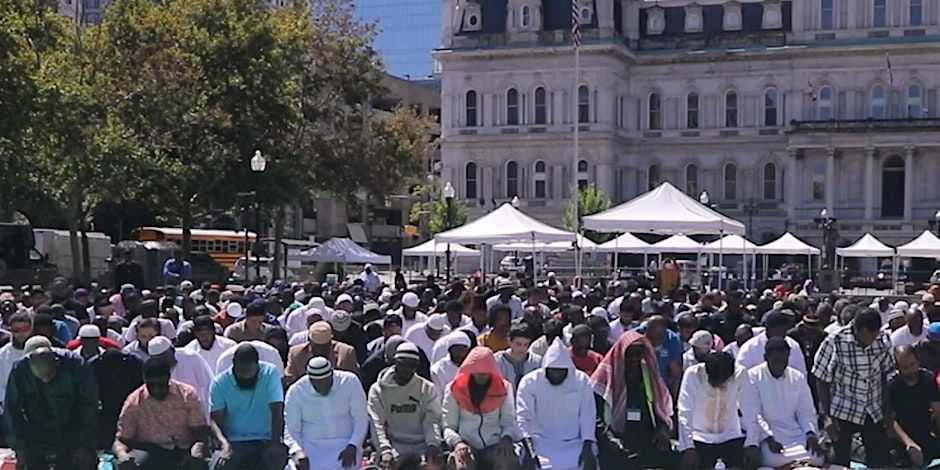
x,y
584,104
470,180
691,180
824,104
916,13
512,179
770,181
691,110
541,182
731,181
652,177
471,109
582,174
826,16
655,112
770,107
541,110
915,102
731,109
879,17
512,107
878,102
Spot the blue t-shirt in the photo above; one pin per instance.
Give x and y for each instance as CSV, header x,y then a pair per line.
x,y
247,412
669,351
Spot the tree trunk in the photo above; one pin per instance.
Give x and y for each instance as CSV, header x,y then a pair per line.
x,y
74,212
86,256
279,255
187,223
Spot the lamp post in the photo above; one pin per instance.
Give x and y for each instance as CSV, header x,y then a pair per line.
x,y
258,164
750,210
704,199
449,195
935,223
827,224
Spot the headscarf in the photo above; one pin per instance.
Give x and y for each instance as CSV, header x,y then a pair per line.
x,y
609,381
479,361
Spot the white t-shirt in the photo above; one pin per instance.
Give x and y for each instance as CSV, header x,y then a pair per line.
x,y
903,337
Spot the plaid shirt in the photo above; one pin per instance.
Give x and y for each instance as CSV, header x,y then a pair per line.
x,y
855,374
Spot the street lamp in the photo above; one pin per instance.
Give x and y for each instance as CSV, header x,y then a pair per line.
x,y
750,210
515,201
935,223
704,199
828,226
258,164
449,195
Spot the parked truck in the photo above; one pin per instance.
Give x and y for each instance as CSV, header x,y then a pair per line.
x,y
20,262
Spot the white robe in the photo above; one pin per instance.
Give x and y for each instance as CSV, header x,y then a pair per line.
x,y
211,355
782,408
324,425
418,335
442,374
266,353
752,353
558,418
191,369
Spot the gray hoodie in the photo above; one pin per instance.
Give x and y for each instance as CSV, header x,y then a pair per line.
x,y
408,414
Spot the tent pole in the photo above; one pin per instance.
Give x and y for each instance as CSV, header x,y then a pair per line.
x,y
721,258
616,256
535,268
744,260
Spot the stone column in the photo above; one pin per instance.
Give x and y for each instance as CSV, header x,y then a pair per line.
x,y
488,181
604,179
831,180
869,183
557,184
908,182
792,184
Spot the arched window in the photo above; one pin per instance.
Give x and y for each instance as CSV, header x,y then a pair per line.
x,y
825,14
770,107
512,179
582,174
541,115
915,103
731,181
541,182
584,104
471,109
770,181
731,109
526,16
892,188
879,17
652,177
825,104
470,181
878,102
512,107
655,112
691,111
917,12
691,180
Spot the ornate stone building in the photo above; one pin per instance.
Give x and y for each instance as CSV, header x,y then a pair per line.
x,y
777,109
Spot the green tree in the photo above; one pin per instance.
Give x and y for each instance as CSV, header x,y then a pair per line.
x,y
430,212
590,201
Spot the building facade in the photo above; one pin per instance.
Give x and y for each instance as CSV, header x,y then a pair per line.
x,y
777,109
407,34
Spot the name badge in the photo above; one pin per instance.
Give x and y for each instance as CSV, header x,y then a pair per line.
x,y
633,414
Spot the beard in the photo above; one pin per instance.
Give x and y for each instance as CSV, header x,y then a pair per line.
x,y
246,384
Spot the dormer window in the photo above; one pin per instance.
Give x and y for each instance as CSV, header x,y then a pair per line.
x,y
655,21
586,14
472,18
526,16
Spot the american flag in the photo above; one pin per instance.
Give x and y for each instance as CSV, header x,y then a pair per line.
x,y
575,24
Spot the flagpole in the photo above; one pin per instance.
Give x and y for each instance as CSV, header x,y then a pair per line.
x,y
576,194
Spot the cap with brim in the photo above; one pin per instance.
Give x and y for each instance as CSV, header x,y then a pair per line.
x,y
436,322
321,333
36,342
319,368
933,331
89,331
702,340
158,345
344,298
408,350
410,299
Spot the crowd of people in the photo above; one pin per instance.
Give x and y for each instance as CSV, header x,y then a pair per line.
x,y
507,373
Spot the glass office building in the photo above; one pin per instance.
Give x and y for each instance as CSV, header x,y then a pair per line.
x,y
408,30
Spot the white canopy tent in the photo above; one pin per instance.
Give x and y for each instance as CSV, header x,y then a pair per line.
x,y
866,247
676,244
789,244
434,249
552,247
505,224
730,245
344,250
926,245
626,243
664,210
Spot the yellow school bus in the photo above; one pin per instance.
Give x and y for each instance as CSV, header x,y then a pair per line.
x,y
225,246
